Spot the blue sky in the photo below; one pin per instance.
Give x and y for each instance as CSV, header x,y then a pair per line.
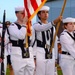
x,y
9,6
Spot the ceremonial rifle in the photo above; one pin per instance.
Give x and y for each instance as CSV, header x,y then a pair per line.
x,y
2,44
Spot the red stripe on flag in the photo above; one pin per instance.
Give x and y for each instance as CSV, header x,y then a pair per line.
x,y
34,4
26,7
42,0
28,13
36,9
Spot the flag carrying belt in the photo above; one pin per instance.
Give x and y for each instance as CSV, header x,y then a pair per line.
x,y
42,43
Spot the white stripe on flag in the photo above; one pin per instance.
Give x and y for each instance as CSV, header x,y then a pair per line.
x,y
30,8
38,2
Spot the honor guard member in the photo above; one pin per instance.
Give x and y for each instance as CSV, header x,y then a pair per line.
x,y
21,57
67,40
44,31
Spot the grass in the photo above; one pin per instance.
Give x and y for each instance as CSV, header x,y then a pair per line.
x,y
59,70
8,71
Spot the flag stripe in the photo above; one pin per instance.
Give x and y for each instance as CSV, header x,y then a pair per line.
x,y
42,3
42,0
27,10
34,4
30,7
38,2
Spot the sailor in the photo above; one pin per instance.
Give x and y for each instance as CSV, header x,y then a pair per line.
x,y
21,56
67,41
44,32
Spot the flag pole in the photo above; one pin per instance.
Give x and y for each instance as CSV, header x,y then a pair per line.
x,y
27,34
61,13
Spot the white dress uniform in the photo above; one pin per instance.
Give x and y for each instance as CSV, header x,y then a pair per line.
x,y
67,58
21,66
67,62
44,66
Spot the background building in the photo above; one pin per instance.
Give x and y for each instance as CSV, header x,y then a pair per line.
x,y
55,9
56,6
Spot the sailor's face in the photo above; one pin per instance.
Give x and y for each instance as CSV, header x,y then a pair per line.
x,y
70,26
44,14
20,15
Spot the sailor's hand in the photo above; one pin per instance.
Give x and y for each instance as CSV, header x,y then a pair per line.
x,y
25,20
58,19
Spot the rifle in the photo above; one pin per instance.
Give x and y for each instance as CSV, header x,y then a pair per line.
x,y
2,44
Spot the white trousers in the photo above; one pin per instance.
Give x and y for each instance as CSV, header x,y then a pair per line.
x,y
22,66
44,66
67,66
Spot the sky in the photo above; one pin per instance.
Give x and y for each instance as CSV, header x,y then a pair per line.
x,y
9,7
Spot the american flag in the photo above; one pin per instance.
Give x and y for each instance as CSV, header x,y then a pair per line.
x,y
31,9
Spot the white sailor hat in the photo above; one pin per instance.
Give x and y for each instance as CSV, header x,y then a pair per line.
x,y
19,8
68,19
45,8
